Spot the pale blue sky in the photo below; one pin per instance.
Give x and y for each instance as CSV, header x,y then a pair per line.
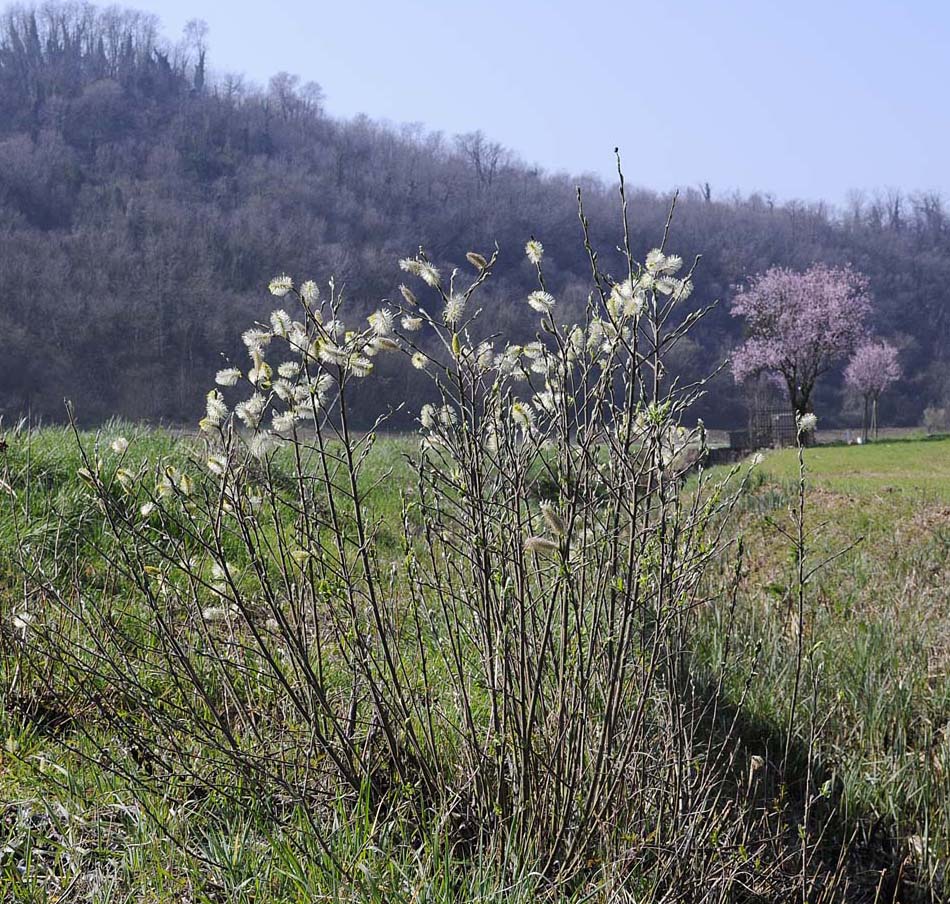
x,y
799,98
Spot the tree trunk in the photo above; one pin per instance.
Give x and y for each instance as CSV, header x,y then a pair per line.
x,y
801,407
800,399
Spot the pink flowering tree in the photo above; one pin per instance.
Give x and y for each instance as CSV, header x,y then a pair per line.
x,y
799,325
872,368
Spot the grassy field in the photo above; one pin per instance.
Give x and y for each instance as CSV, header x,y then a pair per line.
x,y
913,467
877,624
872,728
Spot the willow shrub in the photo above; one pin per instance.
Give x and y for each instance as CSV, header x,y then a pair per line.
x,y
515,681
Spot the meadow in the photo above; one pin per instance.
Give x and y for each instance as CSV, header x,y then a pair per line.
x,y
869,746
878,715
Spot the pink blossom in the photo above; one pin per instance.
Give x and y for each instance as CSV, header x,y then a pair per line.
x,y
799,325
872,368
870,371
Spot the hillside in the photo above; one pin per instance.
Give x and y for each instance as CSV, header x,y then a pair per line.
x,y
144,205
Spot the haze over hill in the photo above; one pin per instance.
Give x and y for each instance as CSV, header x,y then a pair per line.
x,y
144,205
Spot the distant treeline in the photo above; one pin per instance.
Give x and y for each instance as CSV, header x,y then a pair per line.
x,y
144,205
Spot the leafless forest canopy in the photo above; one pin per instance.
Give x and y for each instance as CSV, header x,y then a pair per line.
x,y
144,205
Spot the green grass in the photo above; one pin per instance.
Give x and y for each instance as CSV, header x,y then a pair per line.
x,y
877,622
877,676
918,467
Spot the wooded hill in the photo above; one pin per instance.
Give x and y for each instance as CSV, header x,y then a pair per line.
x,y
144,206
